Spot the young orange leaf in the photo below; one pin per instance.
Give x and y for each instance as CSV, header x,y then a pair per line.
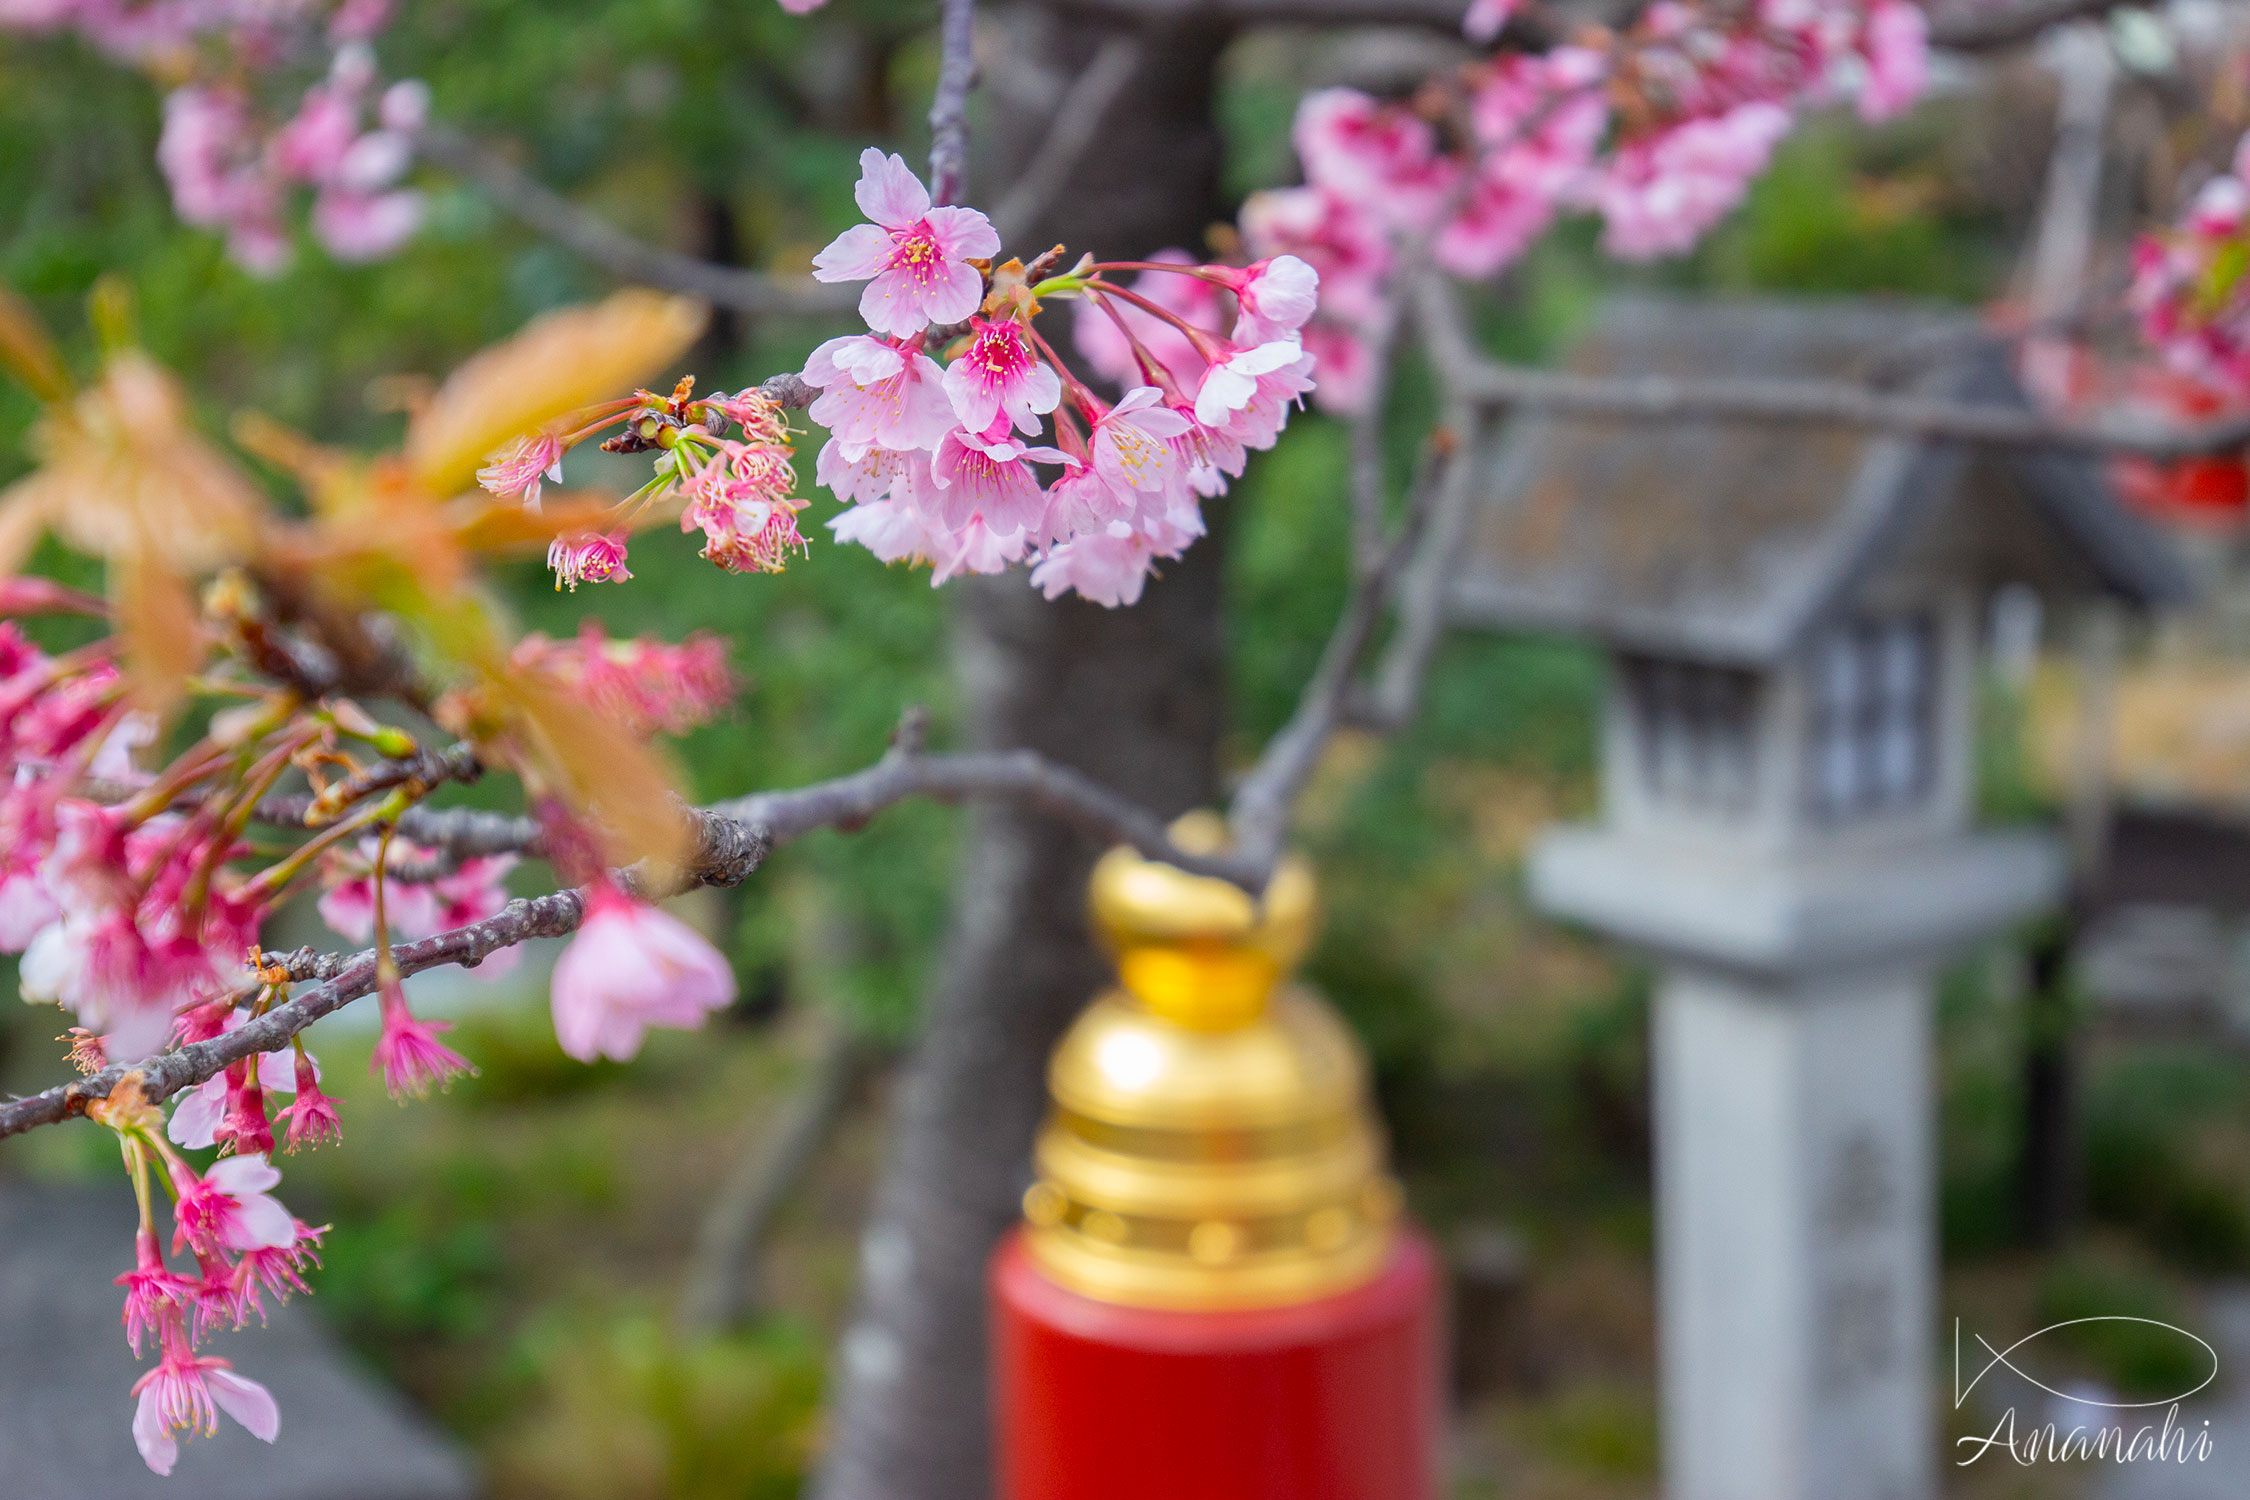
x,y
27,352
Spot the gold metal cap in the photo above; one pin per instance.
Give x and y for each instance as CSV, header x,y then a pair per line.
x,y
1194,948
1211,1144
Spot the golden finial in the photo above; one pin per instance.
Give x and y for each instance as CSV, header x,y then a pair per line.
x,y
1211,1144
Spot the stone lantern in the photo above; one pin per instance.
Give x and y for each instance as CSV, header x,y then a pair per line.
x,y
1793,619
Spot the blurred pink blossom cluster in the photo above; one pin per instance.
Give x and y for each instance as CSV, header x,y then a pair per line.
x,y
648,685
2189,287
938,462
1659,131
231,159
125,915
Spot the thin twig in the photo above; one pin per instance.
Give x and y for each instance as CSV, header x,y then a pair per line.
x,y
1020,775
602,243
1259,814
949,106
1367,446
1396,691
1071,130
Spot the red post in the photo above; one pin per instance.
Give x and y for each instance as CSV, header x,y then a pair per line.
x,y
1334,1399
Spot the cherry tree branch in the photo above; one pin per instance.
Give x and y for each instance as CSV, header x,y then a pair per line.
x,y
949,107
601,243
1367,466
1396,692
734,839
1259,814
1471,376
1964,26
340,980
1991,28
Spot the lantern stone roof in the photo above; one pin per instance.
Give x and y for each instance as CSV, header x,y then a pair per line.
x,y
1726,542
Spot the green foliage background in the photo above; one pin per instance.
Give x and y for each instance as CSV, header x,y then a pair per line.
x,y
1509,1056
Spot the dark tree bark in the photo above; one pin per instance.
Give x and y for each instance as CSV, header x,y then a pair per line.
x,y
2047,1166
1132,696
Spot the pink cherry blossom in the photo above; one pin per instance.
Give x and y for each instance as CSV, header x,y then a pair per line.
x,y
244,1129
405,106
977,547
587,557
1537,124
985,477
631,967
643,684
913,256
1485,19
874,395
999,375
1237,392
311,144
1348,249
358,226
408,1056
1275,296
312,1114
156,1297
741,501
2193,306
1086,500
751,536
891,530
230,1207
1341,356
185,1393
1660,194
1132,442
1379,157
518,470
865,474
277,1271
1897,48
1107,570
211,161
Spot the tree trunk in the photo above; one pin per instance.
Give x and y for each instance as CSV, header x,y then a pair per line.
x,y
1133,697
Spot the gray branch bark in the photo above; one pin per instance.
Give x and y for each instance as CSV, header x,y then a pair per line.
x,y
734,839
1471,376
1962,27
949,106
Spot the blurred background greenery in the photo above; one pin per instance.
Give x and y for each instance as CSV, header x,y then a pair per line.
x,y
510,1253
